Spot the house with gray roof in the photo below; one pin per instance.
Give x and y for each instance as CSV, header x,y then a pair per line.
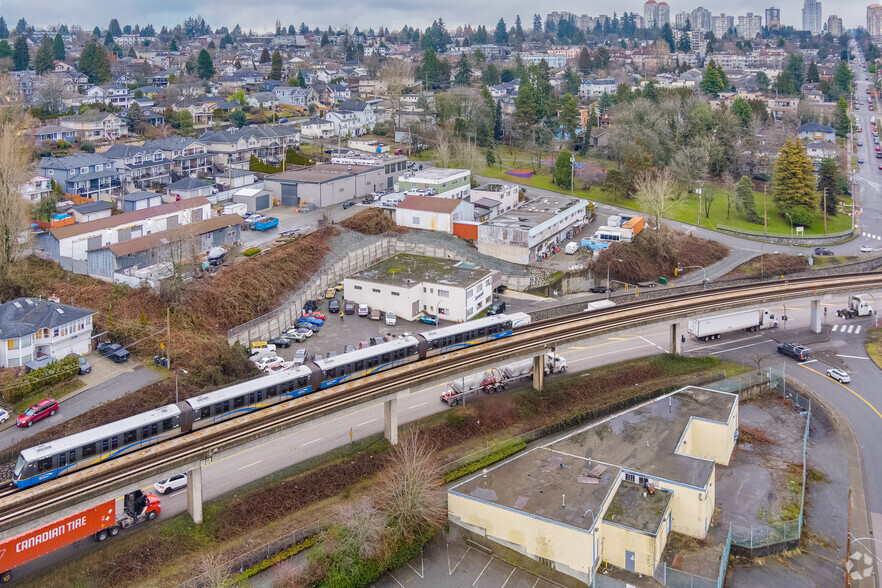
x,y
32,327
188,188
94,125
188,156
85,174
233,148
140,200
140,166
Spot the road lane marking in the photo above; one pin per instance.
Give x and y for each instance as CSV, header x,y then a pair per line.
x,y
879,414
809,361
251,464
365,423
417,405
742,347
857,329
316,440
609,353
834,329
656,344
728,342
852,356
850,329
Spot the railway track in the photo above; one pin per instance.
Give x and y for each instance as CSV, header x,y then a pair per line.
x,y
201,445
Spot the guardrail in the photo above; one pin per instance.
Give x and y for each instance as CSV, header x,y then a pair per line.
x,y
789,236
68,492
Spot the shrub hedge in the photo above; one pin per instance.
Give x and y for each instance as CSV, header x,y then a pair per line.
x,y
50,375
279,557
498,455
250,252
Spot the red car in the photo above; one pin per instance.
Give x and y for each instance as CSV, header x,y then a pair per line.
x,y
364,344
37,412
316,314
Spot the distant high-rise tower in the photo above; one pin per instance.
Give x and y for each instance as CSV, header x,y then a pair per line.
x,y
750,26
812,17
700,19
773,18
664,14
650,14
834,25
874,20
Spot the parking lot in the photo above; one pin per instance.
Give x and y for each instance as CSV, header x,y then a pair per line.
x,y
449,562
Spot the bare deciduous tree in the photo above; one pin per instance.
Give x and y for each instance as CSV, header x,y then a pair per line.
x,y
412,497
442,145
365,525
14,158
398,75
215,571
656,193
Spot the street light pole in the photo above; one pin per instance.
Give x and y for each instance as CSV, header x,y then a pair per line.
x,y
607,275
572,172
176,382
787,214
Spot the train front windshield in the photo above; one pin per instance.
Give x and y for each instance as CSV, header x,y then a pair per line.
x,y
19,466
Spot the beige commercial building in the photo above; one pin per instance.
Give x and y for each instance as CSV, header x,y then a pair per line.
x,y
610,492
324,185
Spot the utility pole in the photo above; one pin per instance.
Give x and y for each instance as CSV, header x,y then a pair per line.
x,y
765,212
168,335
825,211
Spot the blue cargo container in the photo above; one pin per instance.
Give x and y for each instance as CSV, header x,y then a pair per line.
x,y
265,224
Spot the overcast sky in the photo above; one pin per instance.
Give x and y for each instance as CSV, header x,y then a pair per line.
x,y
262,14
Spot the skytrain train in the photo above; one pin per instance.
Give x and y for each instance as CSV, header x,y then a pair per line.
x,y
82,450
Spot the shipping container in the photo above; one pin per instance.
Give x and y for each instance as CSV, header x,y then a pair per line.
x,y
100,522
635,224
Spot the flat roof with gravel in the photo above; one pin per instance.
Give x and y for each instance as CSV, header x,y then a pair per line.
x,y
408,270
644,440
535,212
545,484
634,507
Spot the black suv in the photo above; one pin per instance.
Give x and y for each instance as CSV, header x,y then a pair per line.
x,y
496,308
795,350
823,251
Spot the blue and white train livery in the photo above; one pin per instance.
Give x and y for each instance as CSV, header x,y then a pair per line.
x,y
62,456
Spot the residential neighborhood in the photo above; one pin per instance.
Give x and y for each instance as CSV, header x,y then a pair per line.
x,y
242,260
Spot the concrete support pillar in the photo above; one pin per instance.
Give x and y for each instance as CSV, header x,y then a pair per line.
x,y
390,428
539,372
194,494
817,315
677,334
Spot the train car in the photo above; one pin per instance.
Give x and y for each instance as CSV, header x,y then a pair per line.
x,y
220,405
364,362
475,332
69,454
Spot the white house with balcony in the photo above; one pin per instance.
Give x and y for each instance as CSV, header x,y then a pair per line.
x,y
31,328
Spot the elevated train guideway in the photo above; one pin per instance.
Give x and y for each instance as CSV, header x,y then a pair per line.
x,y
31,507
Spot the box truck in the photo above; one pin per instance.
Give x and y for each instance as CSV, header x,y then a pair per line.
x,y
102,521
712,327
571,248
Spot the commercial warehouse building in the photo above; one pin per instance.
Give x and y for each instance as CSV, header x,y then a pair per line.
x,y
325,185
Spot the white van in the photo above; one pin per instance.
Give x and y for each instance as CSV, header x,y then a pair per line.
x,y
571,248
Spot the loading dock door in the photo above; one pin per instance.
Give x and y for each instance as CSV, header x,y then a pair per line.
x,y
289,195
261,202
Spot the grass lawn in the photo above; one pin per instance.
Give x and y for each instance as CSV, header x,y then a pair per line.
x,y
58,391
425,155
687,209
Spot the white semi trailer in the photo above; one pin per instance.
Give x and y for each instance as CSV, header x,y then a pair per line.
x,y
496,379
712,327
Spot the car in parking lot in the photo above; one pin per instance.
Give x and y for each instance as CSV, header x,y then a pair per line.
x,y
307,325
348,348
429,319
299,356
348,204
85,366
860,159
839,375
390,319
171,484
363,344
312,320
363,310
4,416
334,306
376,314
37,412
280,342
866,249
823,251
331,293
297,336
349,307
599,290
317,357
267,362
316,314
107,348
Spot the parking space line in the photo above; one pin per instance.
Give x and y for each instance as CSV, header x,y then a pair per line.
x,y
809,361
396,579
450,571
422,566
482,571
510,574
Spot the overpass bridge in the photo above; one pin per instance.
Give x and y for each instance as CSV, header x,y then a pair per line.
x,y
22,510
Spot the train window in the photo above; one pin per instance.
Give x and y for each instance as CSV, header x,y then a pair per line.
x,y
226,406
259,396
271,392
386,358
359,365
482,332
458,338
251,398
506,325
238,401
329,374
44,464
219,409
145,433
129,437
62,460
88,450
301,382
72,455
154,429
167,424
114,442
206,411
105,445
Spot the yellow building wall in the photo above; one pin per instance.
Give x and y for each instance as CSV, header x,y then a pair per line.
x,y
691,509
617,540
710,439
538,537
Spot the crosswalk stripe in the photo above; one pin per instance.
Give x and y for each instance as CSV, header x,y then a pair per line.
x,y
834,329
857,329
850,329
